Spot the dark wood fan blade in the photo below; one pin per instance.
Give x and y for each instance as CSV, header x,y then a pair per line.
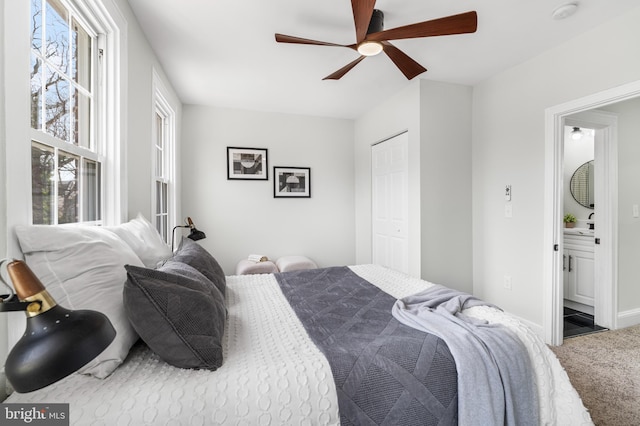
x,y
362,11
342,71
456,24
281,38
408,66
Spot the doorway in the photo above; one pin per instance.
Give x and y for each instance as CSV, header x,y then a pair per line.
x,y
390,202
581,192
606,297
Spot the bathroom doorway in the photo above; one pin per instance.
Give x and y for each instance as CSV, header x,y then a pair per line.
x,y
606,211
589,191
578,254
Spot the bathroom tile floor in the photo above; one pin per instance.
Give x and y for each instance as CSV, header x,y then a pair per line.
x,y
578,323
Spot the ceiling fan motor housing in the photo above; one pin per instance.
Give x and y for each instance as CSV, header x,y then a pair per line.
x,y
377,22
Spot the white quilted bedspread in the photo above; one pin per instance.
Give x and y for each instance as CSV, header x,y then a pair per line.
x,y
272,373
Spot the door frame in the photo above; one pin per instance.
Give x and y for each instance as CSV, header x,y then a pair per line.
x,y
555,118
605,125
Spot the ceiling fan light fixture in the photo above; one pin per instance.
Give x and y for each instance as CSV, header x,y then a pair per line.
x,y
369,48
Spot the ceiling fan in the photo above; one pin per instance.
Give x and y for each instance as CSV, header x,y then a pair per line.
x,y
371,39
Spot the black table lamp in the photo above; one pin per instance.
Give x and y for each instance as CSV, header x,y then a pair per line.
x,y
57,341
194,234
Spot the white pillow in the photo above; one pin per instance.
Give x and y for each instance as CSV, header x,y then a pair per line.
x,y
82,267
144,240
294,263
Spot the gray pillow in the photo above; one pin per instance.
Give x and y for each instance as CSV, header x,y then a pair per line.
x,y
178,312
193,254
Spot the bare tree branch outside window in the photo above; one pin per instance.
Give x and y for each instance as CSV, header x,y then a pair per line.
x,y
60,107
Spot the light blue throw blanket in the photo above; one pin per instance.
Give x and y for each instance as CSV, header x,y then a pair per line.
x,y
495,380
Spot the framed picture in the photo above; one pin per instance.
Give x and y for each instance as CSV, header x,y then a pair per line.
x,y
292,182
247,163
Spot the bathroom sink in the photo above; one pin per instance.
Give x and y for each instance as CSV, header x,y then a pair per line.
x,y
578,231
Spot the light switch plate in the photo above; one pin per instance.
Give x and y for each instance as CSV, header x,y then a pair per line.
x,y
507,193
635,211
508,210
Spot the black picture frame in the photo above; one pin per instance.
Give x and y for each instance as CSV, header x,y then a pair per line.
x,y
291,182
247,163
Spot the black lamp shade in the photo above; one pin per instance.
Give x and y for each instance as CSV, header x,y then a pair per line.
x,y
56,343
196,235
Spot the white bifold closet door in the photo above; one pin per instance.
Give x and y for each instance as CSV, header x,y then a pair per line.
x,y
390,203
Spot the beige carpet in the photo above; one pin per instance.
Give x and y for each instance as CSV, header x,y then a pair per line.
x,y
605,370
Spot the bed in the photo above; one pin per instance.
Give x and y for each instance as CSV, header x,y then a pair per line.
x,y
268,371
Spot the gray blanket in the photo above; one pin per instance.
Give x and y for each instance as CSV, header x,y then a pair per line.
x,y
494,369
386,373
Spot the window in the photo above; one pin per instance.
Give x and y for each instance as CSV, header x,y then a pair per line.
x,y
66,159
163,163
161,190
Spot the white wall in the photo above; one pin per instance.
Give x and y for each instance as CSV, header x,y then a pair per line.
x,y
3,194
16,156
628,195
508,148
16,119
141,111
445,178
242,217
3,141
438,119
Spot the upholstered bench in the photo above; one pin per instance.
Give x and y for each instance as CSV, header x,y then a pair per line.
x,y
295,263
246,267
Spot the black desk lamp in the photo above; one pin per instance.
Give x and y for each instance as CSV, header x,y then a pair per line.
x,y
57,341
194,234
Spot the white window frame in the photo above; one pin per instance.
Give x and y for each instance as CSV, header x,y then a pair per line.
x,y
16,27
106,20
94,151
163,108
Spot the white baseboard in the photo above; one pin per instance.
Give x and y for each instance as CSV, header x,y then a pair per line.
x,y
628,318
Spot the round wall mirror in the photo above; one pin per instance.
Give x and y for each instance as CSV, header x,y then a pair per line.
x,y
582,185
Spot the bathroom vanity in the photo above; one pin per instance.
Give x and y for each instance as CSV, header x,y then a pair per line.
x,y
578,268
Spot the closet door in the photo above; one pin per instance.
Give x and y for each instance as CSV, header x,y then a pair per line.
x,y
390,203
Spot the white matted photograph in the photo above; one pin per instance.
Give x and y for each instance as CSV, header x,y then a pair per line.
x,y
247,163
292,182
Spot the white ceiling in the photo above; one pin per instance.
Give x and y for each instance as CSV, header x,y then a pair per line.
x,y
223,52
